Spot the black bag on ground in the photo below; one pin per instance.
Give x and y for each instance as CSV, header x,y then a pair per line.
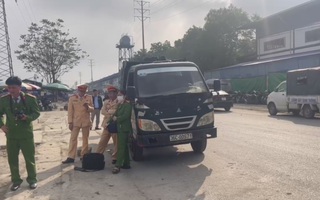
x,y
93,161
112,127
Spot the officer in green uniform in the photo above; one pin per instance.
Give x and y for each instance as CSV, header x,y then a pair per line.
x,y
20,110
123,118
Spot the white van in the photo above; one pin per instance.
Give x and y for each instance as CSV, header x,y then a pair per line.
x,y
300,94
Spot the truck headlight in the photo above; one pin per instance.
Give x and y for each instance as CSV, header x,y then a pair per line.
x,y
206,119
148,125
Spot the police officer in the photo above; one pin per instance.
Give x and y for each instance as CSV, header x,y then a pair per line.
x,y
108,110
20,110
79,108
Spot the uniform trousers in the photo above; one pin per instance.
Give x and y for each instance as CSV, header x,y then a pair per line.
x,y
104,140
27,148
73,144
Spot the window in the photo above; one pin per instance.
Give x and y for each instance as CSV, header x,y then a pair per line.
x,y
130,79
275,44
282,87
312,36
169,81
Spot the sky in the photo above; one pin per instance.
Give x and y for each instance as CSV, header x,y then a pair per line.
x,y
99,25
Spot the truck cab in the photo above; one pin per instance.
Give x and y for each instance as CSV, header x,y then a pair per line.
x,y
171,105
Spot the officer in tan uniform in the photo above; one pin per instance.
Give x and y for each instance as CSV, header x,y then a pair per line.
x,y
79,108
108,110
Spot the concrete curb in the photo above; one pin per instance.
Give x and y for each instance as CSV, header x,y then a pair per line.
x,y
262,108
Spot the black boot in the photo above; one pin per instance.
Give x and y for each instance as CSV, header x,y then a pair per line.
x,y
68,160
15,186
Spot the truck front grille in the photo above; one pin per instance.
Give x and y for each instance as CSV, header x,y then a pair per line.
x,y
178,123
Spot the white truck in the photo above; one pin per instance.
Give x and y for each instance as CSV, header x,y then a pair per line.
x,y
300,94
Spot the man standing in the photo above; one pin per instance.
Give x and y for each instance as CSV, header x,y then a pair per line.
x,y
108,110
20,110
97,102
79,107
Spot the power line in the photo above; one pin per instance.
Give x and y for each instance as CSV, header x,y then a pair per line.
x,y
22,16
33,13
142,17
193,8
170,5
28,10
158,2
15,14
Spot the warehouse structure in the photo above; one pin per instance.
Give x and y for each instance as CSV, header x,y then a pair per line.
x,y
285,41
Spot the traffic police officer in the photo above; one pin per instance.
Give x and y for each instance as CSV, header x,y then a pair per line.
x,y
108,110
20,110
79,108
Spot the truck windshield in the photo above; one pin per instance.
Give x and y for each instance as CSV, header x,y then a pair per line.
x,y
169,80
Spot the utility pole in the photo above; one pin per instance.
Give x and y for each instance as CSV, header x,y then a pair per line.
x,y
91,64
6,68
142,17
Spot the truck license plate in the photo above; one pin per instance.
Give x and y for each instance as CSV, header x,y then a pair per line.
x,y
223,98
184,136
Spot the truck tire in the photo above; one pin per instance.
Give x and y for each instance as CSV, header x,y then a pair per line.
x,y
307,112
227,108
272,109
136,150
199,146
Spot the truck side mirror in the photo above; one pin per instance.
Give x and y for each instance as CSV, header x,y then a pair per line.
x,y
131,93
216,85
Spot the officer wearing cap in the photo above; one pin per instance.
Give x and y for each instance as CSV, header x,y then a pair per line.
x,y
108,110
79,108
20,110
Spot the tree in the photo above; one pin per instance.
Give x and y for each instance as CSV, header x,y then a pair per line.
x,y
157,50
220,42
49,51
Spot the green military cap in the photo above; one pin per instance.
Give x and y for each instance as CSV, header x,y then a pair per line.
x,y
14,80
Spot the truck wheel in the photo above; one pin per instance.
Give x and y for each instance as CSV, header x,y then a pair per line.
x,y
227,108
136,151
308,112
199,146
272,109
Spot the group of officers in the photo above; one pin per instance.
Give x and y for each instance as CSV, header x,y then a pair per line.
x,y
82,110
21,109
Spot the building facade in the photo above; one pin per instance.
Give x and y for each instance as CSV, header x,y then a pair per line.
x,y
293,31
285,41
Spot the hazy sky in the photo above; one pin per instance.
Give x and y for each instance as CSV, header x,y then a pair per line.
x,y
99,25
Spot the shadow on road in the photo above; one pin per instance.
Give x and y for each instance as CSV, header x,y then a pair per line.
x,y
165,173
298,119
222,111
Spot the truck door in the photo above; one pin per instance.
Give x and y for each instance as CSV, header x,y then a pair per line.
x,y
281,97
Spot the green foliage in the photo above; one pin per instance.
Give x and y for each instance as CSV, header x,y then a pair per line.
x,y
49,51
219,43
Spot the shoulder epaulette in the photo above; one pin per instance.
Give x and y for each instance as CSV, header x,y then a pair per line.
x,y
4,96
30,95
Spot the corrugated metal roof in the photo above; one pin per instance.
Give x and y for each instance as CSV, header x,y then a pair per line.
x,y
280,15
271,60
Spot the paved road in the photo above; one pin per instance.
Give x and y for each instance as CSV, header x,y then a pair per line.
x,y
254,157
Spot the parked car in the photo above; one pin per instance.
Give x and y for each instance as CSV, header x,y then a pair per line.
x,y
222,99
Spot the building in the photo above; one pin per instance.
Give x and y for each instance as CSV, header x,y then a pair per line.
x,y
285,41
293,31
101,84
